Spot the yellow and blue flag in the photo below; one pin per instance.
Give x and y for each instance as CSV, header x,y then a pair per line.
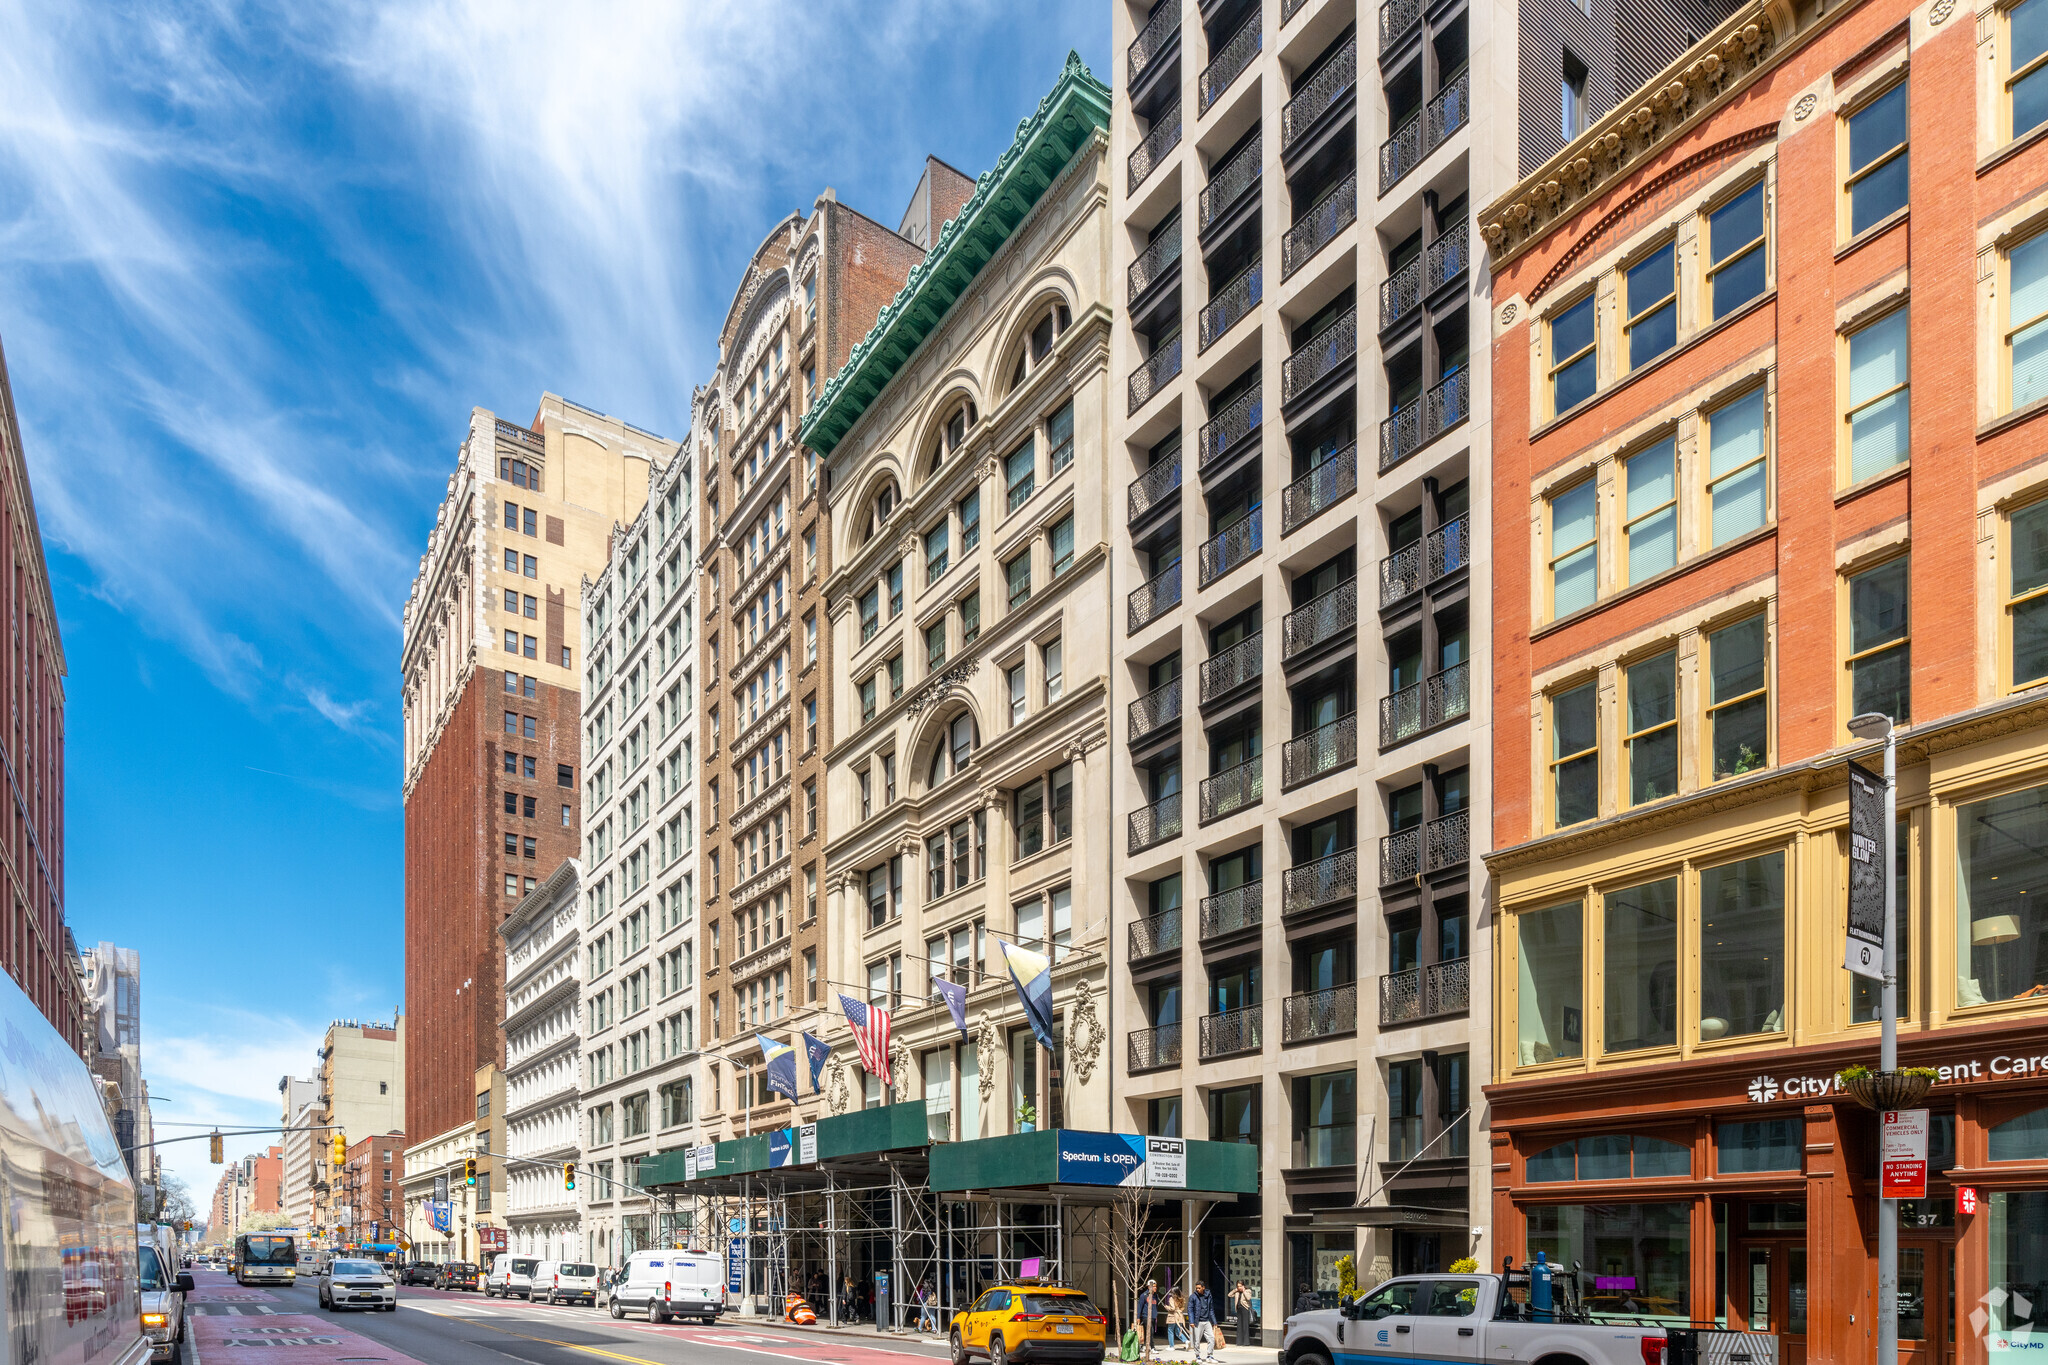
x,y
780,1074
1031,974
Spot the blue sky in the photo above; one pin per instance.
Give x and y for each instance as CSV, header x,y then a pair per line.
x,y
256,266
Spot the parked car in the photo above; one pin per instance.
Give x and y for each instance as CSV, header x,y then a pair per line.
x,y
1030,1322
565,1282
419,1272
346,1282
163,1291
457,1275
670,1284
510,1275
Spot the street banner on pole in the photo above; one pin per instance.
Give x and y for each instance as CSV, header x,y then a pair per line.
x,y
1904,1153
1867,873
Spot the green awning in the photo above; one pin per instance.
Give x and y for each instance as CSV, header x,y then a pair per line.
x,y
1075,1159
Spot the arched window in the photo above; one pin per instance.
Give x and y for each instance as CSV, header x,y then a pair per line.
x,y
951,436
1618,1156
879,510
2022,1139
956,747
1038,342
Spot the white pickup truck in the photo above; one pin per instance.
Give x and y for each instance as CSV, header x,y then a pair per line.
x,y
1478,1317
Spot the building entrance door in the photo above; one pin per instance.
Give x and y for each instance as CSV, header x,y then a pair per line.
x,y
1767,1293
1927,1302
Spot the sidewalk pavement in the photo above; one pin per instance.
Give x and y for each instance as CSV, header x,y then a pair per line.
x,y
866,1334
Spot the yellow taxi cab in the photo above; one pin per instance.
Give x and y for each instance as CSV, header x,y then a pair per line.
x,y
1030,1322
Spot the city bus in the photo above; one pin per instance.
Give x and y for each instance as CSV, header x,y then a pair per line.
x,y
267,1257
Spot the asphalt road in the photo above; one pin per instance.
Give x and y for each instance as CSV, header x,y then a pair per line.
x,y
276,1326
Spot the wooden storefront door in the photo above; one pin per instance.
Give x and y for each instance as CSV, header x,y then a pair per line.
x,y
1767,1293
1927,1301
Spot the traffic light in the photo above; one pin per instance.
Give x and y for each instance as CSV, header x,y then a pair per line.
x,y
568,1175
469,1170
340,1148
213,1149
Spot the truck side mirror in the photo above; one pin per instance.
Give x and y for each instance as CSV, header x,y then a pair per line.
x,y
185,1285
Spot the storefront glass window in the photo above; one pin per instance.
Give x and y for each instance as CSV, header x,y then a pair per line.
x,y
1637,1254
1742,948
2019,1262
1640,967
2022,1139
1615,1156
1759,1145
1551,983
2002,849
1328,1119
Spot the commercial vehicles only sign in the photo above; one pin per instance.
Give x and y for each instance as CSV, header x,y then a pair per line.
x,y
1903,1151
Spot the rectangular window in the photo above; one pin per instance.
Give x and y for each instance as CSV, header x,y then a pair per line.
x,y
1880,648
1652,321
1652,528
1652,742
1020,468
1028,803
1059,435
2026,309
1055,680
935,553
969,509
1060,802
1640,968
1737,469
2002,861
1017,574
935,645
1014,678
867,700
1574,355
1877,160
894,578
1737,257
1575,755
1574,116
1645,1247
1574,548
1742,948
970,618
1738,701
2026,603
1060,544
895,670
1746,1147
1550,998
1880,400
870,614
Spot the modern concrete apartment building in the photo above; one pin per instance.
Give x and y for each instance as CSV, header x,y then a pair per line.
x,y
765,664
639,1069
543,1064
359,1092
1332,741
968,781
491,669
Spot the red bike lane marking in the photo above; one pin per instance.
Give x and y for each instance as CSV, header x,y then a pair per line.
x,y
778,1344
286,1339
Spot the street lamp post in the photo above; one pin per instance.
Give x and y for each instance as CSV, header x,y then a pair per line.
x,y
1869,726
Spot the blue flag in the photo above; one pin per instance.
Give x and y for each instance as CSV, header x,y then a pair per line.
x,y
819,1054
780,1073
956,1000
1031,974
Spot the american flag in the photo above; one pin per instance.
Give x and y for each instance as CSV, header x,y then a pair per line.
x,y
870,1035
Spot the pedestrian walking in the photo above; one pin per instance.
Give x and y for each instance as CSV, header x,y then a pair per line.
x,y
1202,1321
1176,1318
1148,1313
1305,1300
927,1309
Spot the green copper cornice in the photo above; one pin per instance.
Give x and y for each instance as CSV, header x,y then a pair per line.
x,y
1045,142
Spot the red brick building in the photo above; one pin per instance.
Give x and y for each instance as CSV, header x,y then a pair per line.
x,y
371,1183
1768,423
491,667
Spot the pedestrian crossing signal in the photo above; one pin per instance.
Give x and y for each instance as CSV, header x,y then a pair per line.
x,y
469,1170
568,1175
214,1149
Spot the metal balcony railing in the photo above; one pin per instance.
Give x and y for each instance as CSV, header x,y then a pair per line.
x,y
1396,18
1424,130
1155,710
1288,9
1320,94
1335,345
1422,420
1320,1014
1150,600
1450,548
1231,547
1400,293
1402,152
1400,856
1158,34
1325,881
1322,488
1426,992
1156,373
1155,485
1155,934
1162,137
1231,181
1424,705
1229,62
1155,261
1319,619
1448,257
1226,672
1451,109
1233,303
1401,574
1230,428
1322,750
1154,1049
1233,790
1336,210
1231,1032
1447,842
1155,824
1226,912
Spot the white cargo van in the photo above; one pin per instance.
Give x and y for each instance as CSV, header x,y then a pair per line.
x,y
671,1284
565,1282
510,1275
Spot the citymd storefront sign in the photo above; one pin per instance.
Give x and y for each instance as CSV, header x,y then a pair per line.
x,y
2003,1067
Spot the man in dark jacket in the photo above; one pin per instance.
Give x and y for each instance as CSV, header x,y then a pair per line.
x,y
1202,1320
1305,1301
1148,1314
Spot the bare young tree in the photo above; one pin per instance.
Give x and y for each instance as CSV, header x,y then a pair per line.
x,y
1136,1248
